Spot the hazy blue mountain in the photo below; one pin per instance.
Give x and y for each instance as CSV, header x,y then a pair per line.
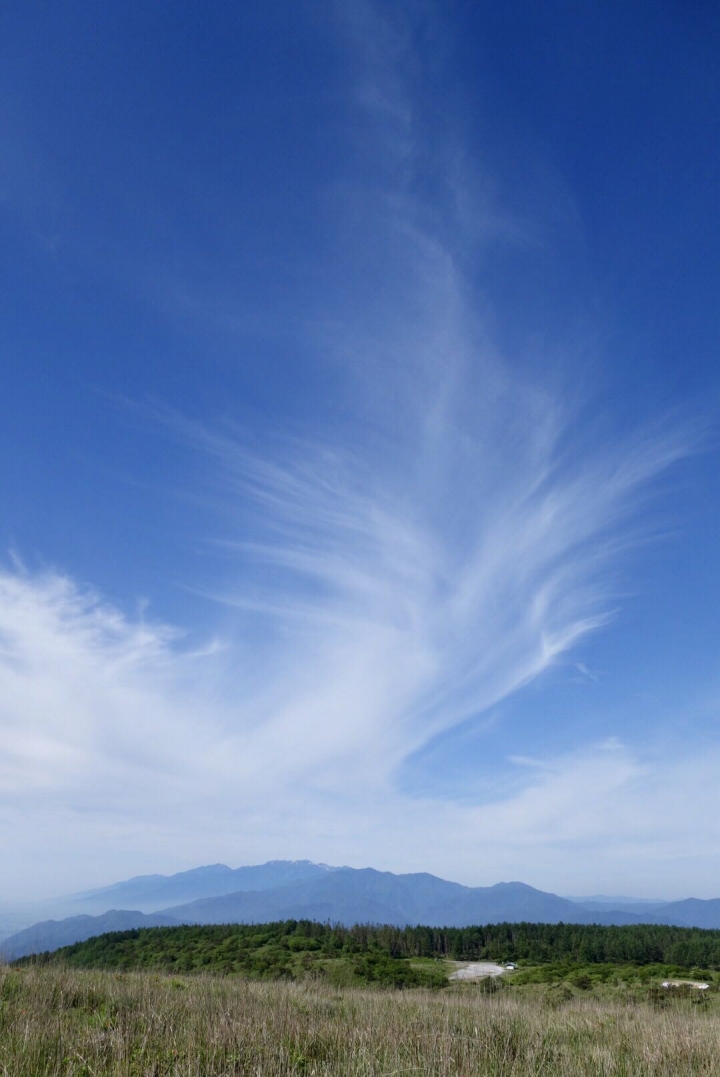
x,y
10,923
51,934
507,901
152,892
605,901
347,895
350,896
364,895
692,912
281,890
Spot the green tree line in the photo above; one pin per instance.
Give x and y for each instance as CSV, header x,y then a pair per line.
x,y
384,954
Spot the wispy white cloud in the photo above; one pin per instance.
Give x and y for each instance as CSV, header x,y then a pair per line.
x,y
442,592
384,591
118,755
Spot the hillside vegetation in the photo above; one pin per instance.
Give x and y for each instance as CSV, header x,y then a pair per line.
x,y
397,957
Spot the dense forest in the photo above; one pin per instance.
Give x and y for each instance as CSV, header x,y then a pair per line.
x,y
411,956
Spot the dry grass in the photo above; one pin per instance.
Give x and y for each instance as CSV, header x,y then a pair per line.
x,y
93,1024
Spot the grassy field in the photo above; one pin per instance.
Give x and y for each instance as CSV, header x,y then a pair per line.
x,y
76,1023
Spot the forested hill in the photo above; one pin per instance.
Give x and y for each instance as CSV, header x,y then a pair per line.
x,y
296,946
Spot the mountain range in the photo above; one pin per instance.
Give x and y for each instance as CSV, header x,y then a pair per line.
x,y
300,889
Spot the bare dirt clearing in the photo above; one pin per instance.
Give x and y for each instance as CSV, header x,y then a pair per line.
x,y
477,970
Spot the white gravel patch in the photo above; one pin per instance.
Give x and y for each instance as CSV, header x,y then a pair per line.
x,y
478,970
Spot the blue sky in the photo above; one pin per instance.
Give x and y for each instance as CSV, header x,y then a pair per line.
x,y
359,485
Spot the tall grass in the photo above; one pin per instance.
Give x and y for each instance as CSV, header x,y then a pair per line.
x,y
63,1023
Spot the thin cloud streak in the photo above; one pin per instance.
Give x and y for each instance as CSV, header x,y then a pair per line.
x,y
442,552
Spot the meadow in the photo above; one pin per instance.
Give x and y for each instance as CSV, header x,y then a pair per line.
x,y
57,1021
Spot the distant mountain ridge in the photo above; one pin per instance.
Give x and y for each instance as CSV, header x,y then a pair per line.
x,y
150,893
300,889
615,902
352,895
52,934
